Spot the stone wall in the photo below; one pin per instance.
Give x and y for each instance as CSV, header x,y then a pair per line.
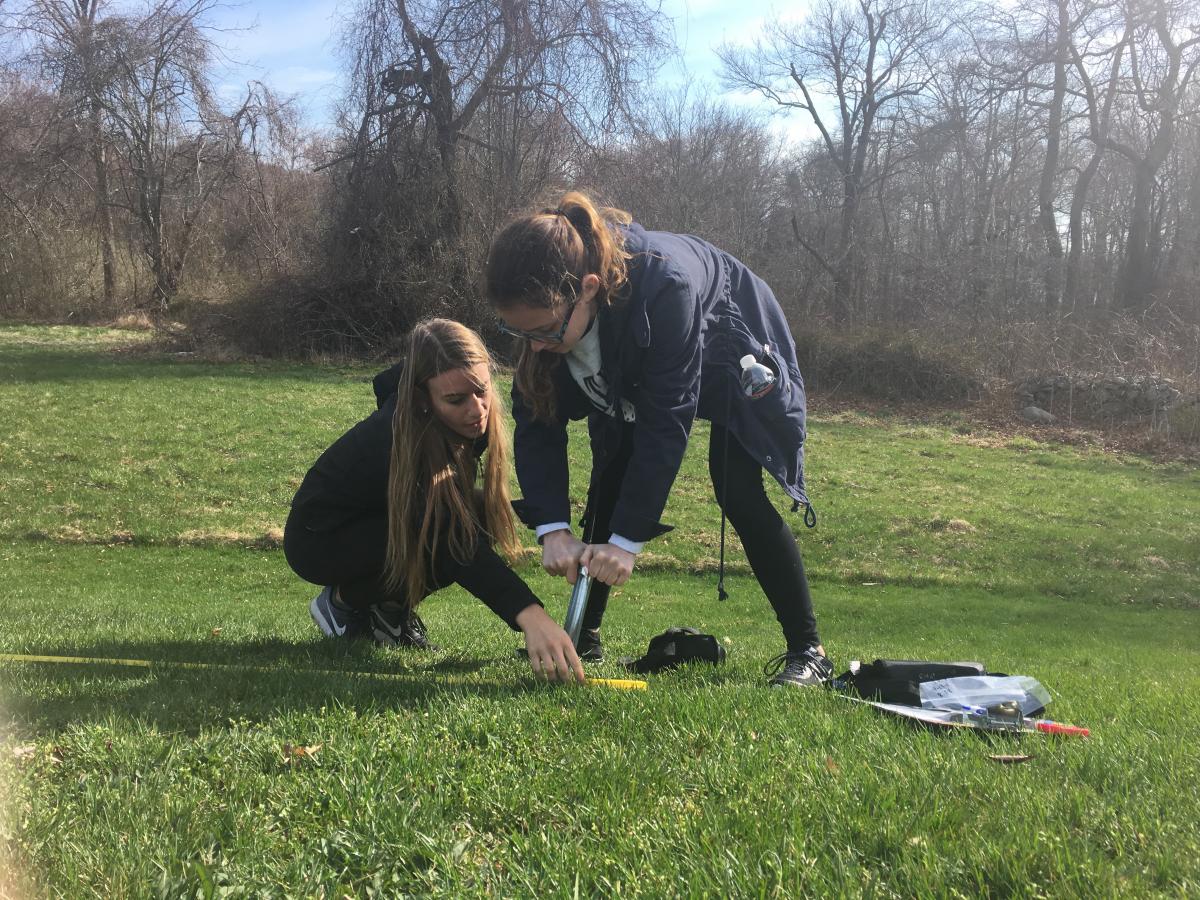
x,y
1099,398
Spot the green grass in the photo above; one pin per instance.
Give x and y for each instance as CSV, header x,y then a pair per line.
x,y
140,502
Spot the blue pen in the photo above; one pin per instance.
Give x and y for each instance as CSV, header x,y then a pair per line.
x,y
974,714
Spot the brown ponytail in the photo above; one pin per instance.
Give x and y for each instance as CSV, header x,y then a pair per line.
x,y
540,260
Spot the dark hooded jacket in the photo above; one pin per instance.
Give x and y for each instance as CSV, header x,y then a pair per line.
x,y
350,481
671,345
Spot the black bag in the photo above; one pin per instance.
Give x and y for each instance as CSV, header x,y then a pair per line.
x,y
899,680
675,646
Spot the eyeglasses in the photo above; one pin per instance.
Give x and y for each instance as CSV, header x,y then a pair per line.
x,y
542,337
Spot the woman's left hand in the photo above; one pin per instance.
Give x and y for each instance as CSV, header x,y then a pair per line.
x,y
551,654
608,563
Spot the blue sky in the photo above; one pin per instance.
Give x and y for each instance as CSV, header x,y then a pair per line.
x,y
291,45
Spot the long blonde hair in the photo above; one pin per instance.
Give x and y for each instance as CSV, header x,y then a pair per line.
x,y
433,506
540,260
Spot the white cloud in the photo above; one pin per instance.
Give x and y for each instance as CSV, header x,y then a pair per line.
x,y
703,25
289,47
294,78
269,30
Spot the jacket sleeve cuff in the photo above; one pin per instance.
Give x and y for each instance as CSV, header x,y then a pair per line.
x,y
511,619
626,544
543,530
637,528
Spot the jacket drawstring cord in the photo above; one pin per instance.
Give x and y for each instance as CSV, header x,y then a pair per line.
x,y
722,594
810,514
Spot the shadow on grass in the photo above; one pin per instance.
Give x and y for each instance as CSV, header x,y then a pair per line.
x,y
35,365
318,655
188,687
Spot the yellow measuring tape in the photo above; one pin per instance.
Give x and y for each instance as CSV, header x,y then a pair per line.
x,y
623,684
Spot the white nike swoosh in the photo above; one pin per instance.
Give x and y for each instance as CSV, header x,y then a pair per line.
x,y
387,628
328,622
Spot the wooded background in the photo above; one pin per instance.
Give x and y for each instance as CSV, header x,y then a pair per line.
x,y
1016,182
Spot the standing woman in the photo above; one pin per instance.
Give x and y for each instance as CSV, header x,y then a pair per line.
x,y
390,512
643,331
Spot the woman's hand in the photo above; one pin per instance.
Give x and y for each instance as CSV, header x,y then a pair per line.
x,y
608,563
551,654
560,554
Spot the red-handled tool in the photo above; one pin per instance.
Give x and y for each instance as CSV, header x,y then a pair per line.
x,y
1058,728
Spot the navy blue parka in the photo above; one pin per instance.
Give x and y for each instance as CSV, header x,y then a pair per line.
x,y
671,345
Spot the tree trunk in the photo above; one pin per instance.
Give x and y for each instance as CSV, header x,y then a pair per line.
x,y
104,221
1052,273
1135,273
1183,264
1075,229
847,258
452,209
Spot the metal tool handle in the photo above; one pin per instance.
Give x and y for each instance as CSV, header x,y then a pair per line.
x,y
578,605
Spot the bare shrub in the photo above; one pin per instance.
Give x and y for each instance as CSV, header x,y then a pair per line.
x,y
1115,344
55,275
317,315
887,366
1184,421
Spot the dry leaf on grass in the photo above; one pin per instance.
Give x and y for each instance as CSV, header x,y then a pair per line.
x,y
295,753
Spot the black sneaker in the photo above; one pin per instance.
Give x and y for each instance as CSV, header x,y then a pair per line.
x,y
588,646
335,619
394,625
804,668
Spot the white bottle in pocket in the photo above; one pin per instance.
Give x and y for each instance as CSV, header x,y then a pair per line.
x,y
757,379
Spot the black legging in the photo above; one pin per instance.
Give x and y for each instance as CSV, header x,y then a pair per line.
x,y
352,556
770,546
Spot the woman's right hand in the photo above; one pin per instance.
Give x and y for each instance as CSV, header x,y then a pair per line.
x,y
551,654
561,551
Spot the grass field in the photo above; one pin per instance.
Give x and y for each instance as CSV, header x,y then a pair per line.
x,y
141,498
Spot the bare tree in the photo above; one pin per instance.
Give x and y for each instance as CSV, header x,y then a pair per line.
x,y
1031,52
454,106
177,143
699,166
71,43
861,59
27,201
1161,64
271,219
437,63
135,83
1184,263
1098,72
1060,28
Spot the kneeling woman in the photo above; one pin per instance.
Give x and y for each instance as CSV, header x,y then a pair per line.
x,y
390,512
